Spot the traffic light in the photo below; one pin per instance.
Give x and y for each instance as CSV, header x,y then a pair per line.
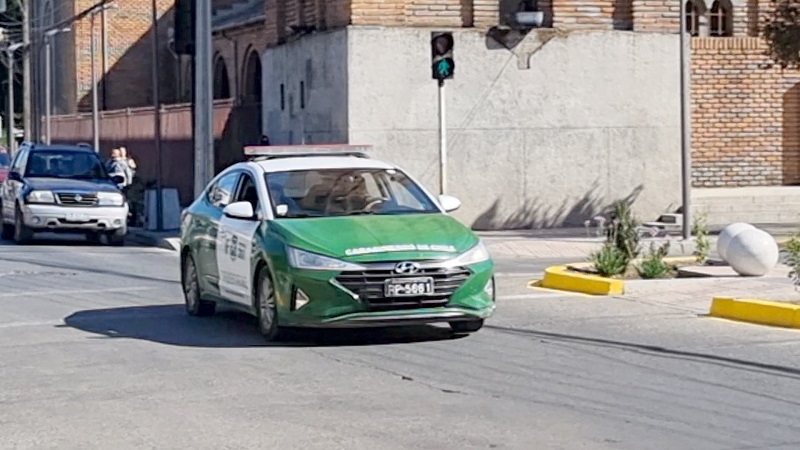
x,y
443,64
184,26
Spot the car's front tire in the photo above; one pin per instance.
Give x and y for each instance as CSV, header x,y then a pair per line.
x,y
266,306
466,326
22,234
195,305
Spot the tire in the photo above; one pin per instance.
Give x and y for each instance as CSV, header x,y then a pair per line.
x,y
93,237
266,307
7,232
116,238
466,326
195,305
22,234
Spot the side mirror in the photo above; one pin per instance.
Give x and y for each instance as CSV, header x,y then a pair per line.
x,y
14,176
240,210
117,179
449,203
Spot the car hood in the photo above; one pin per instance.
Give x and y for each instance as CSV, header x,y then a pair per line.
x,y
379,238
57,184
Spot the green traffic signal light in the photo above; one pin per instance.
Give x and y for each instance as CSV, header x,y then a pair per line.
x,y
443,65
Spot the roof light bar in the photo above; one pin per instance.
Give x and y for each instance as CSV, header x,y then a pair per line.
x,y
296,151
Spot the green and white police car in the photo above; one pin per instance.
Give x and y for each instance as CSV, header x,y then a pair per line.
x,y
324,236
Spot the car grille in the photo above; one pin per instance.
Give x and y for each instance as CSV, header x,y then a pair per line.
x,y
73,199
369,284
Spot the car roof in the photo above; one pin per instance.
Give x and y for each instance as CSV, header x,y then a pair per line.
x,y
320,162
68,148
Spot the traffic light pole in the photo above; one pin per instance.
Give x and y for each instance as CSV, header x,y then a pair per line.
x,y
442,140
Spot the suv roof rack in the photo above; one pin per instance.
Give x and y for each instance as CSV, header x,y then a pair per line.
x,y
264,152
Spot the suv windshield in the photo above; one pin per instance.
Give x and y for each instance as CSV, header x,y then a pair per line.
x,y
65,164
345,192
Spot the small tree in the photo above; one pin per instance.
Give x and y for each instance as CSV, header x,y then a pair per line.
x,y
782,33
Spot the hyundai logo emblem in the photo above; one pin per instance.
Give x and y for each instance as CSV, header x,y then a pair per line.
x,y
406,267
78,197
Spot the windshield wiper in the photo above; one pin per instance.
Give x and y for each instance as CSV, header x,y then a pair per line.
x,y
359,213
299,216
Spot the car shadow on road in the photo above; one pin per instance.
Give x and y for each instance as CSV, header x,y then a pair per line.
x,y
170,325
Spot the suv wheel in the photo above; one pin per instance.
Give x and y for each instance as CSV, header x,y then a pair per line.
x,y
7,231
22,234
117,237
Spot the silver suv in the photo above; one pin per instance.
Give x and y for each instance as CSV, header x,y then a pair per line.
x,y
61,188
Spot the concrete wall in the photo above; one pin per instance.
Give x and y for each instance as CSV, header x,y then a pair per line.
x,y
594,119
320,63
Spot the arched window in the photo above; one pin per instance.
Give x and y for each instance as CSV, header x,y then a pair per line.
x,y
252,78
721,19
222,85
694,10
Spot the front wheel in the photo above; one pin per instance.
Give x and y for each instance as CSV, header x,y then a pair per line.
x,y
267,308
116,238
195,305
466,326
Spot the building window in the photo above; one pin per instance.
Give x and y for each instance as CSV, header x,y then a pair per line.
x,y
693,13
720,19
283,98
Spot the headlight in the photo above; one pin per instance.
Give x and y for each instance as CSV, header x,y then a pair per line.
x,y
40,197
110,199
475,255
300,259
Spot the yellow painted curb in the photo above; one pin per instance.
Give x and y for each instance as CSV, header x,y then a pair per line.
x,y
756,311
562,279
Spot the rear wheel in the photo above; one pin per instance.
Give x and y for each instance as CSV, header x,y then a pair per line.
x,y
266,306
466,326
195,305
7,231
22,234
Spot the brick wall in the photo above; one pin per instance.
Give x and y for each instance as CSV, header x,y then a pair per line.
x,y
745,119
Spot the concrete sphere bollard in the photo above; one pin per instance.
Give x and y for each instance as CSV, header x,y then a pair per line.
x,y
752,253
729,233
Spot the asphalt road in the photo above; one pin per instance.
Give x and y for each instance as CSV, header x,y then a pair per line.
x,y
96,353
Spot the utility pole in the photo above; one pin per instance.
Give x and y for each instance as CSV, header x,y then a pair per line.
x,y
157,124
48,101
95,108
12,147
686,128
27,81
202,105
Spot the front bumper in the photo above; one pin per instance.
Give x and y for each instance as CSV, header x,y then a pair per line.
x,y
67,218
355,299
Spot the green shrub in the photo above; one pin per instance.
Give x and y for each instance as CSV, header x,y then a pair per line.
x,y
793,260
609,261
654,265
700,232
622,231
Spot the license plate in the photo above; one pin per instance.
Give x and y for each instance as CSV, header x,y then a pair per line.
x,y
77,217
408,287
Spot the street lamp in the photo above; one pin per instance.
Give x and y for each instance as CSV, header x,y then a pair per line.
x,y
10,116
47,75
95,114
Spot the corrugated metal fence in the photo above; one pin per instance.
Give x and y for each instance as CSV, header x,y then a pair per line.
x,y
234,127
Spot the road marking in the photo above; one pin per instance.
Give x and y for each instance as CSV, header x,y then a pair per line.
x,y
77,291
31,324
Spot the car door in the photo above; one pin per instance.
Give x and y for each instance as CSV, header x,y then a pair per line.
x,y
235,244
11,187
218,197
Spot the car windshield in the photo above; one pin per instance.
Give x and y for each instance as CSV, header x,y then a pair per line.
x,y
5,161
345,192
65,164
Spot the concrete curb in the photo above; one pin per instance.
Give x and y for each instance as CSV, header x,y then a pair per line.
x,y
755,311
562,279
149,240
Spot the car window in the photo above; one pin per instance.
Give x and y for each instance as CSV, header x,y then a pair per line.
x,y
221,191
19,160
247,191
341,192
65,164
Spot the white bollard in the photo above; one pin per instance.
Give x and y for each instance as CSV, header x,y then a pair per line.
x,y
752,252
729,233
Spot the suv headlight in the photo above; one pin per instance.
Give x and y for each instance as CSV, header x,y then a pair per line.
x,y
301,259
40,197
475,255
110,199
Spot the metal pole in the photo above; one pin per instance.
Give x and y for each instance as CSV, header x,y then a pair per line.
x,y
157,124
686,130
47,93
27,80
203,103
442,140
12,148
104,52
95,113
